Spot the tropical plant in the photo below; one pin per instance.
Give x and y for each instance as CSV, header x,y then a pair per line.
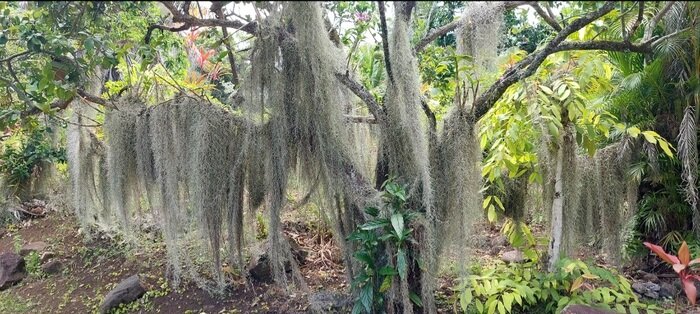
x,y
525,288
388,227
682,265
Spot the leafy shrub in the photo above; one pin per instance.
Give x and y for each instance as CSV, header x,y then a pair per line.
x,y
22,155
524,288
682,266
387,228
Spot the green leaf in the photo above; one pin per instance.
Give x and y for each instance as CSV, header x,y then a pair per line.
x,y
365,258
367,297
465,299
498,201
486,202
401,263
372,211
397,223
415,299
374,224
387,271
508,300
492,214
664,146
386,284
649,136
633,132
501,308
546,89
479,306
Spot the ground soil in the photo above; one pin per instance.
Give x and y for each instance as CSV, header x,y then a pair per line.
x,y
92,268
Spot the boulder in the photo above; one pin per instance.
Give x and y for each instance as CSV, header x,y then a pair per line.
x,y
52,267
46,256
259,265
513,256
647,289
129,290
330,302
12,270
668,290
584,309
499,240
37,247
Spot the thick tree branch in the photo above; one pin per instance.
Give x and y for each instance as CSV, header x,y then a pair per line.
x,y
152,27
180,17
649,30
229,51
359,90
529,65
449,27
637,22
430,114
385,40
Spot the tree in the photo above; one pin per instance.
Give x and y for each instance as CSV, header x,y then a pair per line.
x,y
298,111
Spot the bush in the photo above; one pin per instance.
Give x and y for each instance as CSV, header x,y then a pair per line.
x,y
23,153
524,288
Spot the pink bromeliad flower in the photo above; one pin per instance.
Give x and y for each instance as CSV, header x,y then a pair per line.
x,y
362,16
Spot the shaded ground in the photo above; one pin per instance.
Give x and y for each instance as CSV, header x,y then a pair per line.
x,y
93,269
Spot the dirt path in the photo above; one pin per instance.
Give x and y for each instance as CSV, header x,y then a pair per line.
x,y
91,270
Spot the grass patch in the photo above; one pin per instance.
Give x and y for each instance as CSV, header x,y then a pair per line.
x,y
13,304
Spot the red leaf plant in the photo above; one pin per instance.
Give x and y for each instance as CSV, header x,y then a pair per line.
x,y
681,265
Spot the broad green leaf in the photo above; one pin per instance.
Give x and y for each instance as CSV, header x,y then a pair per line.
x,y
492,214
397,223
386,284
508,300
546,89
367,297
374,224
664,146
415,299
401,263
649,136
372,211
498,201
633,132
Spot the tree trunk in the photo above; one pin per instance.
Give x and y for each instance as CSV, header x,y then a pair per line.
x,y
557,207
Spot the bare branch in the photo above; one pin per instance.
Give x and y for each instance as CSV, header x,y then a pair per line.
x,y
649,30
449,27
435,33
361,119
385,39
229,51
545,16
180,17
363,94
529,65
430,114
638,21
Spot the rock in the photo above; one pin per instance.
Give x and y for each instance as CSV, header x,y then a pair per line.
x,y
52,267
650,277
513,256
584,309
126,291
12,270
499,240
33,247
46,256
495,250
259,265
330,302
668,290
647,289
